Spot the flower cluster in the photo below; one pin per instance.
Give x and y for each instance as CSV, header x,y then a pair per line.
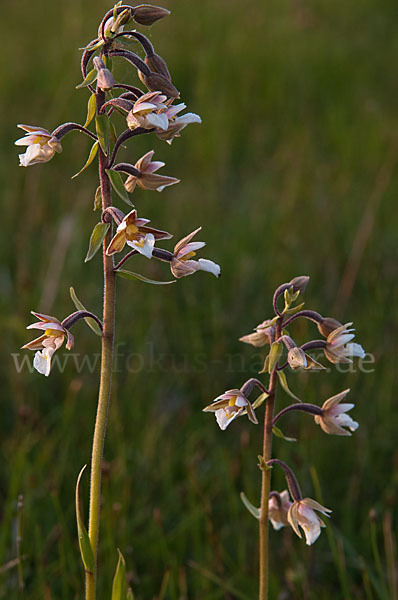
x,y
331,416
151,110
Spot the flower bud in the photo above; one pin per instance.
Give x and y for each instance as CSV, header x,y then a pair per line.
x,y
327,325
146,14
105,80
157,65
157,82
300,283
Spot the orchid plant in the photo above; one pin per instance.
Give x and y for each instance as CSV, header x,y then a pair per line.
x,y
152,110
288,507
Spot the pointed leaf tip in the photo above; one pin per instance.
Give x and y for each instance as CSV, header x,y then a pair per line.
x,y
250,507
119,586
86,550
90,322
97,237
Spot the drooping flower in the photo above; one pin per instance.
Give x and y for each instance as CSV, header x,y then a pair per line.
x,y
261,336
148,180
298,359
149,112
334,417
278,508
176,124
41,145
134,232
229,406
46,344
182,263
302,513
338,349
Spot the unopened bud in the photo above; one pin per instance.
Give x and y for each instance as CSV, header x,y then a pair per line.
x,y
296,358
300,283
145,14
105,80
157,82
327,325
157,65
122,19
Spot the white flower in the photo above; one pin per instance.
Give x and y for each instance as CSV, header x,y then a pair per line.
x,y
135,233
302,513
41,145
334,417
149,112
182,263
229,406
46,344
298,359
338,349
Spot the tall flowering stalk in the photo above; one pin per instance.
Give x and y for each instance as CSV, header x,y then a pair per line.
x,y
152,110
289,508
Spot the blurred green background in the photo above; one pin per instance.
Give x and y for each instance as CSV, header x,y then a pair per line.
x,y
292,172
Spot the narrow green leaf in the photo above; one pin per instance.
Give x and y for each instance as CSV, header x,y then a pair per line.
x,y
131,275
117,184
279,433
130,595
252,509
91,107
90,78
274,355
285,387
86,550
113,132
98,199
90,322
259,401
91,156
293,309
108,62
99,44
102,126
96,239
119,587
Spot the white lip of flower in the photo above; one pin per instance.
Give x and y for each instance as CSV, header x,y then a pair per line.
x,y
134,232
184,251
46,344
338,349
278,514
229,406
302,513
334,417
149,180
260,337
41,145
177,124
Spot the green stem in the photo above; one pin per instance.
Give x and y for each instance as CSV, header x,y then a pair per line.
x,y
266,481
105,378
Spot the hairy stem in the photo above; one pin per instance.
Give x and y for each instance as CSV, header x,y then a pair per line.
x,y
266,479
105,377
